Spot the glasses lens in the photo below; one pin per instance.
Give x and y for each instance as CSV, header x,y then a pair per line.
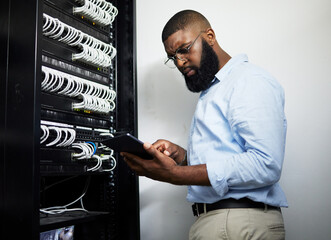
x,y
170,63
182,53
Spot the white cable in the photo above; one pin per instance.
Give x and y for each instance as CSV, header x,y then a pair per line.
x,y
65,137
62,209
49,82
59,83
94,104
47,23
93,56
97,166
58,136
114,163
99,11
87,150
45,133
95,51
72,137
68,138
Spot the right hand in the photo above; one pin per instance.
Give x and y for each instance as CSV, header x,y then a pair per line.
x,y
170,149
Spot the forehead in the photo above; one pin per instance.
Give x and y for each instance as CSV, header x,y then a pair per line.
x,y
179,39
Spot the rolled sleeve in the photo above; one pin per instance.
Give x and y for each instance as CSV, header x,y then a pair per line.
x,y
217,179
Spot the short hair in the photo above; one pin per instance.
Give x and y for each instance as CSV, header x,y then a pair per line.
x,y
182,20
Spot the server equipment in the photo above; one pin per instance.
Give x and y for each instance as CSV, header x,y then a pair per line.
x,y
68,83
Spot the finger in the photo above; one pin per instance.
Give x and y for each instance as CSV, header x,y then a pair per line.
x,y
160,144
152,150
164,147
160,148
166,153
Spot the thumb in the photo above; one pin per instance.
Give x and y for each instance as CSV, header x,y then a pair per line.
x,y
151,150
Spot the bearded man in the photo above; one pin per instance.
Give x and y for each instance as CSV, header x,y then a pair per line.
x,y
236,145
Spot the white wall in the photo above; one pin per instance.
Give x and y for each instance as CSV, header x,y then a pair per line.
x,y
289,38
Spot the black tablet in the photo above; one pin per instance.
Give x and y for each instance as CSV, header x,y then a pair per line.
x,y
127,143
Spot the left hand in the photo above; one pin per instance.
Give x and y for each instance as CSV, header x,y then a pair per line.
x,y
159,168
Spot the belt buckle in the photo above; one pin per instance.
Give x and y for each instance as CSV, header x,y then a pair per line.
x,y
195,210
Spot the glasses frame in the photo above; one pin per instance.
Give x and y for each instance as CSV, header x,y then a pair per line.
x,y
187,49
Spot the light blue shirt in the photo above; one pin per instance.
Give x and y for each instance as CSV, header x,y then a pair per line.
x,y
239,131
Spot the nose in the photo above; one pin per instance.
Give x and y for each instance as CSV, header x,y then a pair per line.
x,y
180,63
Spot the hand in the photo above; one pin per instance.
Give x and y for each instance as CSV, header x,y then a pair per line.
x,y
164,168
159,168
170,149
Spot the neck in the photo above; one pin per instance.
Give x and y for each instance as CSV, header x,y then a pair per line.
x,y
223,57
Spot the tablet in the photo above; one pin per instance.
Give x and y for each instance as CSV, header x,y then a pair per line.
x,y
127,143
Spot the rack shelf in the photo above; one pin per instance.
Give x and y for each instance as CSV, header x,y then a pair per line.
x,y
66,219
35,176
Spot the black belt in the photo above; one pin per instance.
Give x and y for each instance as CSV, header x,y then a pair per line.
x,y
198,208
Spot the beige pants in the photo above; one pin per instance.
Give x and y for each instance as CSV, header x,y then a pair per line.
x,y
239,224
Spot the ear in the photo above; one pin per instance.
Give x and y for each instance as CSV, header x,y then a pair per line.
x,y
211,37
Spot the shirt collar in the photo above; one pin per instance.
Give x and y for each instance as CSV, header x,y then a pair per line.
x,y
226,69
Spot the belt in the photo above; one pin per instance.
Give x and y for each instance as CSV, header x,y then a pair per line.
x,y
198,208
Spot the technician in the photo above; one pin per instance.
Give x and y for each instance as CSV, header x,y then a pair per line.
x,y
236,145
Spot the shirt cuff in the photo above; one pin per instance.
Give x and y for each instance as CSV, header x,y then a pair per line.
x,y
216,178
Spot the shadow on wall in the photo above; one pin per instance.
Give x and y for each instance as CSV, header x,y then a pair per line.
x,y
165,111
166,106
165,211
162,194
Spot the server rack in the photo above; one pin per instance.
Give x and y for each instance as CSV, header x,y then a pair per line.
x,y
36,175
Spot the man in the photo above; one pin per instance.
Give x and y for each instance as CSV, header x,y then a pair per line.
x,y
237,139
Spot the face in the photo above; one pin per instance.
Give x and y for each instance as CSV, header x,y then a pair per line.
x,y
201,64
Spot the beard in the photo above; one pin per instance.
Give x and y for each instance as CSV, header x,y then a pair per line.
x,y
205,74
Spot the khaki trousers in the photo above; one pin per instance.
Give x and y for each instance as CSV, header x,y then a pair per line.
x,y
239,224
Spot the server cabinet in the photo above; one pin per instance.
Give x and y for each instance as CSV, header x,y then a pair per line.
x,y
67,82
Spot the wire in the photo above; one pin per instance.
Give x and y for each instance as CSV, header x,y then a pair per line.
x,y
95,97
58,136
100,11
94,104
93,51
88,150
62,209
45,135
59,182
98,165
95,147
69,135
114,163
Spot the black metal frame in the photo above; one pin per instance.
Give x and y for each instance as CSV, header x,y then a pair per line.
x,y
20,98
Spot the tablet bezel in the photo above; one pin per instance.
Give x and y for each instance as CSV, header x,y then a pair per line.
x,y
127,143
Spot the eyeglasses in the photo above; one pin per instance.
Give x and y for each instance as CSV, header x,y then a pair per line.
x,y
181,54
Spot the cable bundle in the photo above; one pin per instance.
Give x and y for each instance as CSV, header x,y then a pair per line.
x,y
94,51
55,81
94,104
69,136
88,150
92,56
99,11
96,97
